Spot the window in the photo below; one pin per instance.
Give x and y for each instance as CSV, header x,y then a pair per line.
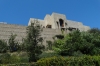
x,y
48,26
61,21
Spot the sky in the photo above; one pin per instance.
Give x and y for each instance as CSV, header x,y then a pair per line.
x,y
20,11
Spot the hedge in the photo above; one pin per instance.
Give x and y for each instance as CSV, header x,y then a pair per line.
x,y
69,61
63,61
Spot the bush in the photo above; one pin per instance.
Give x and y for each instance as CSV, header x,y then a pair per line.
x,y
13,58
7,58
3,46
24,59
69,61
48,54
77,53
52,61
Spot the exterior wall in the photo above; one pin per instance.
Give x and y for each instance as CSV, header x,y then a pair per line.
x,y
78,25
48,34
7,29
48,20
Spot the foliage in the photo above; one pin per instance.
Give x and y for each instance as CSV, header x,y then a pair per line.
x,y
58,45
3,46
94,30
11,58
33,41
49,45
70,61
52,61
48,54
7,58
77,54
23,46
24,58
84,42
61,61
13,44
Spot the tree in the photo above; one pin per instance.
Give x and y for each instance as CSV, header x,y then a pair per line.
x,y
83,42
3,46
68,44
13,45
33,41
94,30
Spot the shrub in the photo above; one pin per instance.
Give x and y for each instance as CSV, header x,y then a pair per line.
x,y
52,61
3,46
48,54
69,61
77,53
14,58
7,58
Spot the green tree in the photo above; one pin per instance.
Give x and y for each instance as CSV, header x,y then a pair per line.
x,y
58,45
67,45
94,30
13,44
83,42
3,46
33,41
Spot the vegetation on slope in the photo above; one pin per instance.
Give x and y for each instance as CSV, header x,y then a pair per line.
x,y
79,43
80,46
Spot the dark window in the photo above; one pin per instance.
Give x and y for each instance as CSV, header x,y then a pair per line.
x,y
61,22
48,26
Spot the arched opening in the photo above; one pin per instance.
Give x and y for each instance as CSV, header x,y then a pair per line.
x,y
61,22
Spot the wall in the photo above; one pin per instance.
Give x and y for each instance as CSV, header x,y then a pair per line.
x,y
7,29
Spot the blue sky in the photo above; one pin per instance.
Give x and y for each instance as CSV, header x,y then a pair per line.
x,y
20,11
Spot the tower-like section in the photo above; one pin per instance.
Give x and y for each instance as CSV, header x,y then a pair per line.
x,y
59,21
